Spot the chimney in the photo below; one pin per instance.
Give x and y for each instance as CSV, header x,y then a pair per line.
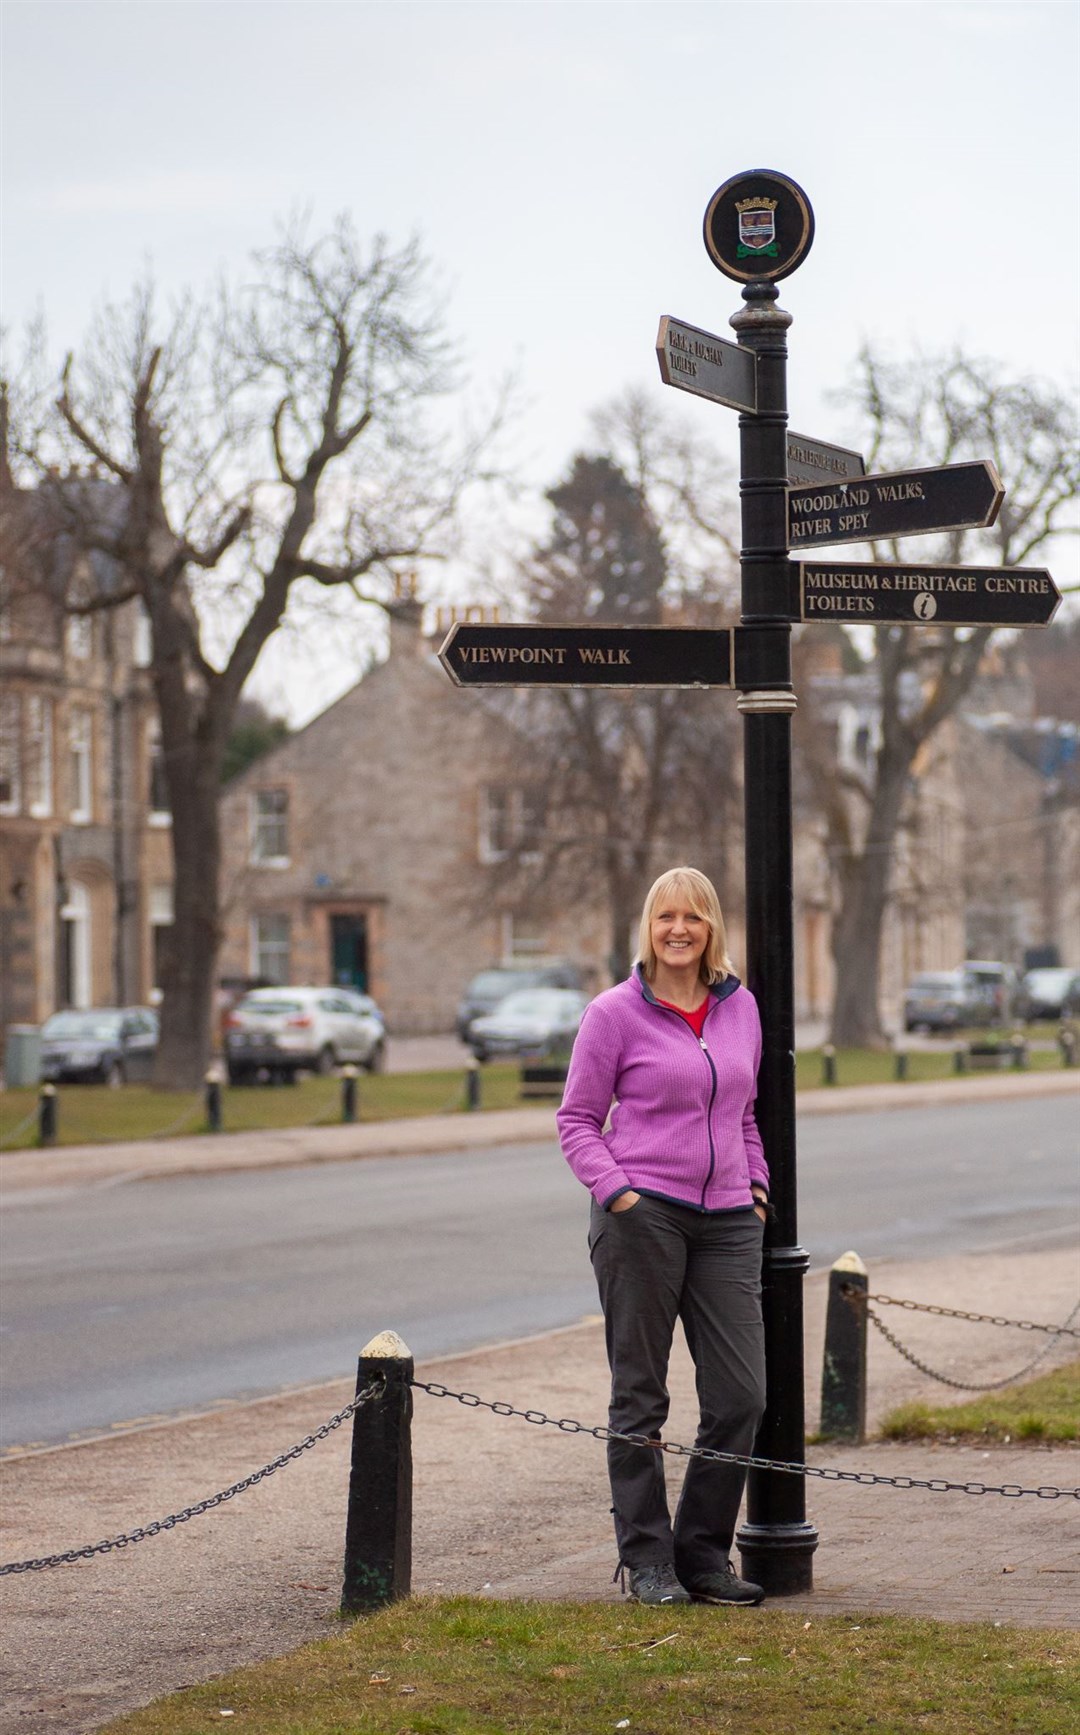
x,y
406,614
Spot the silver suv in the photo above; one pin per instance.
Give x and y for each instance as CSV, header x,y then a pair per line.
x,y
286,1030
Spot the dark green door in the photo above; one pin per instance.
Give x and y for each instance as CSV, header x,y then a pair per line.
x,y
349,952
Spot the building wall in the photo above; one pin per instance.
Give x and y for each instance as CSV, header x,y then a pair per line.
x,y
385,793
72,868
1021,852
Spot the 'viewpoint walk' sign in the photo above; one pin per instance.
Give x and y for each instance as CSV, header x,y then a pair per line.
x,y
474,655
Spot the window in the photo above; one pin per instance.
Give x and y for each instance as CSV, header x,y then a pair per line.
x,y
270,949
10,754
494,824
161,924
80,636
81,760
160,806
142,638
511,820
39,756
74,961
523,935
270,828
530,821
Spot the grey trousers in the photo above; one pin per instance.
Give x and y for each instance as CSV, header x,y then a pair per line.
x,y
655,1263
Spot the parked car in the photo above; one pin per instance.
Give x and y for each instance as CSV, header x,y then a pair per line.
x,y
994,989
488,989
976,993
367,1008
937,1000
286,1030
533,1022
1050,993
111,1045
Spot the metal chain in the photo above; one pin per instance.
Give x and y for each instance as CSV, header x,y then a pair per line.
x,y
853,1294
866,1478
175,1518
174,1127
8,1141
969,1385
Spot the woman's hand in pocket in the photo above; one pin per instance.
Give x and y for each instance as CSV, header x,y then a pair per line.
x,y
625,1201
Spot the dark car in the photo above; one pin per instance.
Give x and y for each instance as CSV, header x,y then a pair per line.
x,y
532,1022
1050,993
112,1045
993,990
937,1000
490,987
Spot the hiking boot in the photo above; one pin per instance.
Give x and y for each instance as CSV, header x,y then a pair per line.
x,y
657,1584
724,1586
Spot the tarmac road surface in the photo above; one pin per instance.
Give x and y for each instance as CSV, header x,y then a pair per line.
x,y
170,1295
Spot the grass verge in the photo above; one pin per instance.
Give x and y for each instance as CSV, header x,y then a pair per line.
x,y
470,1667
90,1114
1046,1408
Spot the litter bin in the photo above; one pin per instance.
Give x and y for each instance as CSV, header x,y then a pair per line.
x,y
22,1055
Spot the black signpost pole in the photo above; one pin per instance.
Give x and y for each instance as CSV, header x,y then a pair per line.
x,y
776,1543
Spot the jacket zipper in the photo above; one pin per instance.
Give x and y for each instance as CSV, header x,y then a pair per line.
x,y
708,1121
700,1040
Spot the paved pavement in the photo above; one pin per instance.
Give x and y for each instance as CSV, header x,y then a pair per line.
x,y
503,1509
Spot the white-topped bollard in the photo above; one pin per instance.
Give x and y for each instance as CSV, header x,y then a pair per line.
x,y
843,1372
378,1528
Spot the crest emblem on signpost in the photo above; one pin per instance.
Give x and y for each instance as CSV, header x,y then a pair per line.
x,y
757,226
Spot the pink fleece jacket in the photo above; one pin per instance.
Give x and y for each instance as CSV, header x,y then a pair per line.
x,y
683,1126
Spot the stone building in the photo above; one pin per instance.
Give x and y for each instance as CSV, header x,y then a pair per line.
x,y
362,848
85,863
357,851
838,728
1022,847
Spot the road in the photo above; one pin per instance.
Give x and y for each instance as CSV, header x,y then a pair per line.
x,y
155,1297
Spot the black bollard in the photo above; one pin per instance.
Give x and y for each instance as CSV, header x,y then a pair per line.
x,y
828,1064
959,1059
348,1094
1019,1051
48,1114
901,1065
378,1529
213,1102
472,1083
843,1372
1067,1045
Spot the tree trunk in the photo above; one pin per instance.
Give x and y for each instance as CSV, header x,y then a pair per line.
x,y
191,957
622,914
195,941
857,932
193,718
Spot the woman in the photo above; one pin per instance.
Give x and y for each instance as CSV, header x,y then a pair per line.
x,y
680,1190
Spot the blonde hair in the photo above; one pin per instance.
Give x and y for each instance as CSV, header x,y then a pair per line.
x,y
700,895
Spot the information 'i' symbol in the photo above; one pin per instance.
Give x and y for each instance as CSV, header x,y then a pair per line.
x,y
925,606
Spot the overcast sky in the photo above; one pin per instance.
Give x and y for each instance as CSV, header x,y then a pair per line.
x,y
556,158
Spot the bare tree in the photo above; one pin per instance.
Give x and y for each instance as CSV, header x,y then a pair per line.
x,y
618,780
246,452
930,411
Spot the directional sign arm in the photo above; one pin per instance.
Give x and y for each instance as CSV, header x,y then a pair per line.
x,y
710,367
994,596
901,503
476,655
